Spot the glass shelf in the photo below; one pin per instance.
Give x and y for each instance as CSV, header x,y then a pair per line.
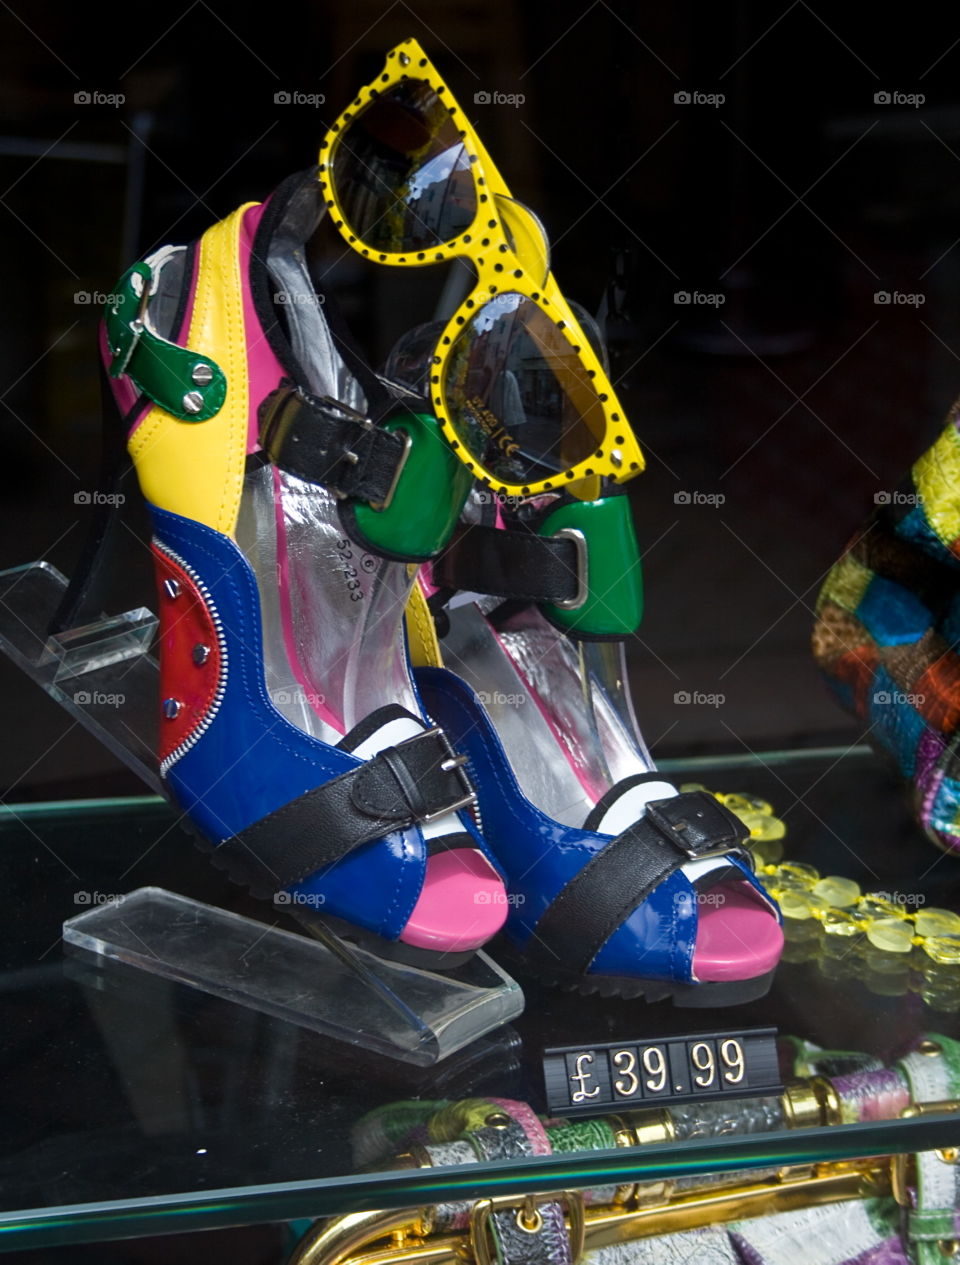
x,y
136,1105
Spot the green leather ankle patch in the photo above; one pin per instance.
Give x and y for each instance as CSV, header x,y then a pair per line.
x,y
432,486
609,598
186,384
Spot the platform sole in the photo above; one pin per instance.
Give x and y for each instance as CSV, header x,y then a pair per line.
x,y
684,996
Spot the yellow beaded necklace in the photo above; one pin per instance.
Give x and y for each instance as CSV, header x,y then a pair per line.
x,y
840,907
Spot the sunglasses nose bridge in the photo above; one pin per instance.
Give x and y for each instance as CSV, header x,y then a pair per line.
x,y
528,236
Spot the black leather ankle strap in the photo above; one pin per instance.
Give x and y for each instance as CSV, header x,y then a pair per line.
x,y
325,442
511,564
415,781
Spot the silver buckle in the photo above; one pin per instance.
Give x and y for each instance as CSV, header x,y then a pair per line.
x,y
698,854
674,830
385,503
583,568
453,763
346,409
136,328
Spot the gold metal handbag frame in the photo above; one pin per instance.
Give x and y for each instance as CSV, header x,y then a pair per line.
x,y
638,1210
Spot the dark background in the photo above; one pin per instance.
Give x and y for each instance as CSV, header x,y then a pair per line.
x,y
798,400
796,200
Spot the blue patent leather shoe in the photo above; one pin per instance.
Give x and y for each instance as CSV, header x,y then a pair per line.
x,y
617,883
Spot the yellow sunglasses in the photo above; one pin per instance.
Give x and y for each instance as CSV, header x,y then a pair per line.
x,y
518,390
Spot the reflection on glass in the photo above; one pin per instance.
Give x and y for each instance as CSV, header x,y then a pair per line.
x,y
518,393
402,174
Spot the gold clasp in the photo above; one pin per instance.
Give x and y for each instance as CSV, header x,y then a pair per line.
x,y
944,1107
900,1164
529,1220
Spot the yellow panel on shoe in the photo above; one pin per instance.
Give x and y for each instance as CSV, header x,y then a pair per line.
x,y
195,469
421,632
937,477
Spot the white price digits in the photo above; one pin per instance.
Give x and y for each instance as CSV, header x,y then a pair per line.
x,y
702,1057
655,1065
731,1055
628,1082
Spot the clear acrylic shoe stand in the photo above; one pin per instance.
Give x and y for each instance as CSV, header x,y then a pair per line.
x,y
316,981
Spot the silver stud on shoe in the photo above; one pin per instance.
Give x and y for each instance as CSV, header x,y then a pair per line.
x,y
192,402
202,374
171,708
171,588
200,654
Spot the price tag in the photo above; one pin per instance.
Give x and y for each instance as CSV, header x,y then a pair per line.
x,y
590,1079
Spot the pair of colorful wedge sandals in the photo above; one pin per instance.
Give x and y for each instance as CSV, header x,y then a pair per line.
x,y
306,511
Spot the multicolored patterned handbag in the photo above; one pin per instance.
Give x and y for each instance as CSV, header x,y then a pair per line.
x,y
887,633
878,1211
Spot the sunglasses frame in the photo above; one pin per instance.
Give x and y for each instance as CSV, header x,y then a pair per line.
x,y
503,265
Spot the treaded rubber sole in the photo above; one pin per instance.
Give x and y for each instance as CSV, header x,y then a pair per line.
x,y
389,950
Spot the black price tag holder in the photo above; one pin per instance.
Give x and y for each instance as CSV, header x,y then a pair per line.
x,y
584,1080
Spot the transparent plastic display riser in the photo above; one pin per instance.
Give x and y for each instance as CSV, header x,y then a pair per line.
x,y
104,675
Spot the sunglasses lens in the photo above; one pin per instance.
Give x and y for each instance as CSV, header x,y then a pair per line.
x,y
402,174
519,396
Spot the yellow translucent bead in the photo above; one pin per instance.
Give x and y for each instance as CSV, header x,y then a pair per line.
x,y
794,904
753,822
840,892
763,827
756,814
790,881
805,874
937,922
737,803
838,923
752,803
893,935
873,906
766,851
943,949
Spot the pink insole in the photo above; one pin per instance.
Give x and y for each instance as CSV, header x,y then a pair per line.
x,y
461,906
738,937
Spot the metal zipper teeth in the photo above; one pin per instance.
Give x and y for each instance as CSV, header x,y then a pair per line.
x,y
474,809
194,737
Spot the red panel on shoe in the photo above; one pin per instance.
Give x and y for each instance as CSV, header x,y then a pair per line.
x,y
185,623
